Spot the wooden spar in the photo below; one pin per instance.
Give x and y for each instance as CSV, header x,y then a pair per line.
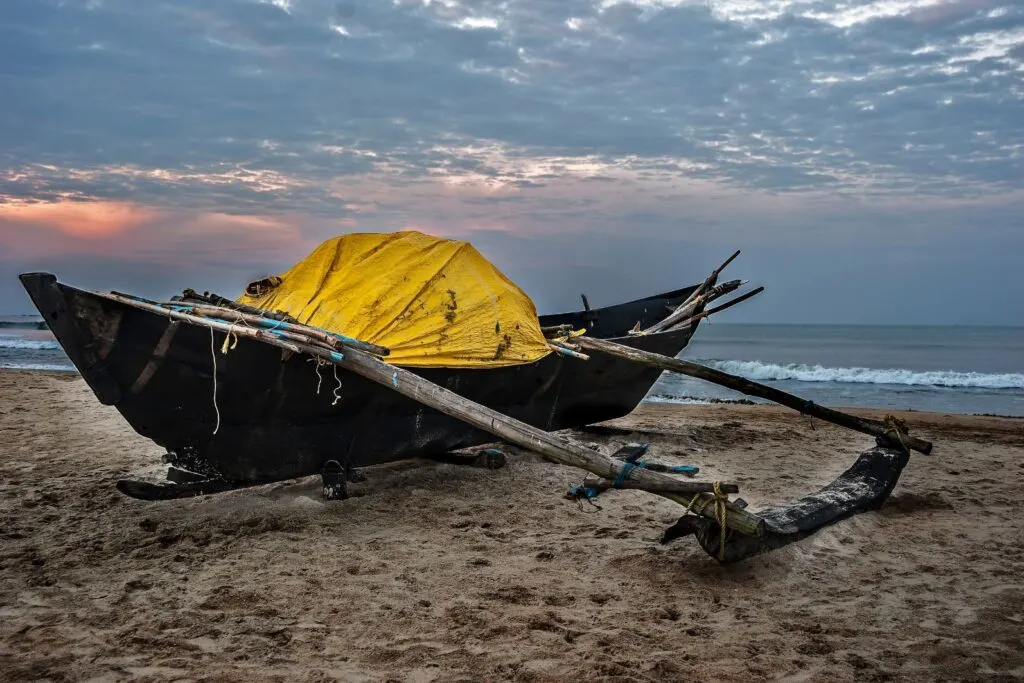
x,y
677,486
332,339
521,434
491,421
711,311
709,281
566,351
190,296
865,426
284,339
685,312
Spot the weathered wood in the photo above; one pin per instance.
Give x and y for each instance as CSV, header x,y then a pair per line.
x,y
711,311
684,312
448,402
521,434
709,281
865,486
283,339
566,351
332,339
675,486
192,296
745,386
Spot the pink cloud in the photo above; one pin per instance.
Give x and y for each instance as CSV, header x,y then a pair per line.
x,y
79,219
34,230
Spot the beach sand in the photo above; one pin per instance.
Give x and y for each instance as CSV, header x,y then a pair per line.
x,y
443,573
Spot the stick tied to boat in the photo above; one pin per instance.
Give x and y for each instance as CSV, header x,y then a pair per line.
x,y
750,388
504,427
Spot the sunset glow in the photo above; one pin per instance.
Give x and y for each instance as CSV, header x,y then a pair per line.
x,y
82,219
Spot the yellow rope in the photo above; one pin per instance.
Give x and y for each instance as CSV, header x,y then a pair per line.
x,y
228,340
721,510
895,427
563,339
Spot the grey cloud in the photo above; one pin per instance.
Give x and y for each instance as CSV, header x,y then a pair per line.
x,y
206,86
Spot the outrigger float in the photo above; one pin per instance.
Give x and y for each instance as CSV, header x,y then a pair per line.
x,y
382,347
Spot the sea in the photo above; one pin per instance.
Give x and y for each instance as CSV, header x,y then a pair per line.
x,y
965,370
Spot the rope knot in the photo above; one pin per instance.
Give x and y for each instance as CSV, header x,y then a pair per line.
x,y
895,428
627,468
720,500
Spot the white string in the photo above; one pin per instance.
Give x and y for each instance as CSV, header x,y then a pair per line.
x,y
213,355
319,379
337,389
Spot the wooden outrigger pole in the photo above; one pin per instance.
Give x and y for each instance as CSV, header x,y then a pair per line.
x,y
699,497
745,386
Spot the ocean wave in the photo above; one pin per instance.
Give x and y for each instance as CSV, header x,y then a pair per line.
x,y
682,400
33,344
756,370
48,367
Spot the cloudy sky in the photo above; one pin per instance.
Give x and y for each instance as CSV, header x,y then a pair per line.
x,y
865,155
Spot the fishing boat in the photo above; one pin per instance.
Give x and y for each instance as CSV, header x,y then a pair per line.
x,y
258,415
381,347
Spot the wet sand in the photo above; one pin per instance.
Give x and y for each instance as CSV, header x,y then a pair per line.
x,y
443,573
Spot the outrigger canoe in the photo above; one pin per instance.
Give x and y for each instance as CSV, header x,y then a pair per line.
x,y
272,386
276,416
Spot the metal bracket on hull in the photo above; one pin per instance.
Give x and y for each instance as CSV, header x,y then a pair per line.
x,y
334,481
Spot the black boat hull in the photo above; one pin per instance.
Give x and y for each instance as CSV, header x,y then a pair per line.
x,y
278,416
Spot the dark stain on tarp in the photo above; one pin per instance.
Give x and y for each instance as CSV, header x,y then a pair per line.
x,y
452,306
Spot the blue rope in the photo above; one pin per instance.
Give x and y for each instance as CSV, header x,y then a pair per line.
x,y
627,467
585,492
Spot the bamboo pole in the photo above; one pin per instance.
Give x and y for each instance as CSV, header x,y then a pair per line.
x,y
691,301
545,443
283,338
711,311
332,339
684,312
676,486
865,426
448,402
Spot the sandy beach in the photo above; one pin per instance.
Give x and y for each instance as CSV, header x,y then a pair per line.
x,y
443,573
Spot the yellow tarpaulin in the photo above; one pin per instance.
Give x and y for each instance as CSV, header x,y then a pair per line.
x,y
434,302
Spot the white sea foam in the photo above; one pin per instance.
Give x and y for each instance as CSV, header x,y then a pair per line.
x,y
756,370
27,344
683,400
48,367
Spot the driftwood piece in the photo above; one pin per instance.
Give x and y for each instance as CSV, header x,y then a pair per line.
x,y
862,488
448,402
745,386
